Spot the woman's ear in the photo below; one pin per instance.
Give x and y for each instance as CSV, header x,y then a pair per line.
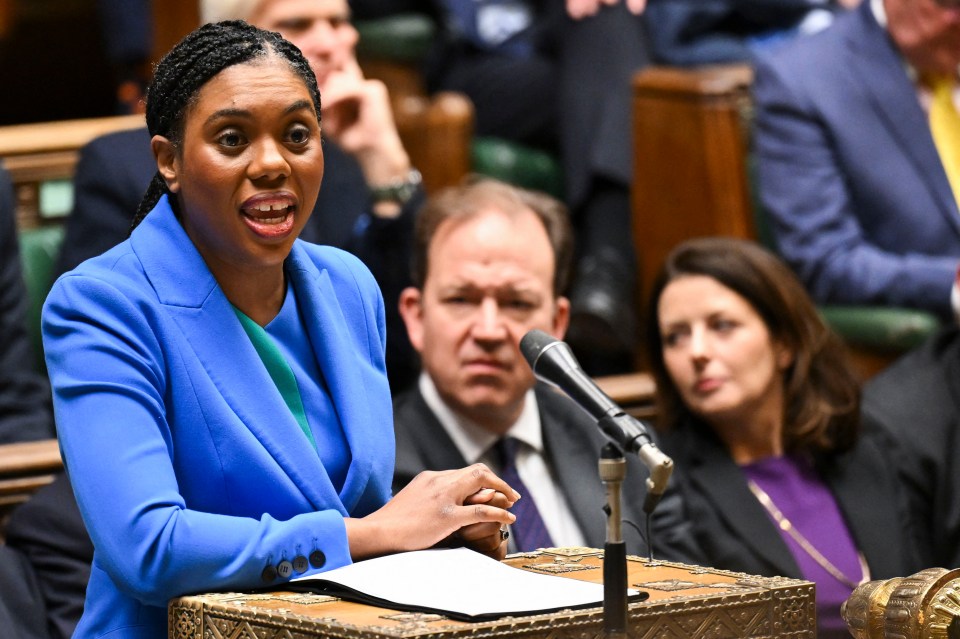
x,y
165,153
784,355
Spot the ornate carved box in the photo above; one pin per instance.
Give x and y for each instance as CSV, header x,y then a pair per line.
x,y
685,602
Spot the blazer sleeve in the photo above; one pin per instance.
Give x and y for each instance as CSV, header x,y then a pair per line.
x,y
111,381
805,192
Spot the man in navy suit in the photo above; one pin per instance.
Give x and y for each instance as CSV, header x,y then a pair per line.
x,y
693,32
24,415
489,262
859,201
24,395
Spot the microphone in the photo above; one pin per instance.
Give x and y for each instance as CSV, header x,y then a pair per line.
x,y
554,362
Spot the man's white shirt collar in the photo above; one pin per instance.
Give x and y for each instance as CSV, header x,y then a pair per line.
x,y
471,439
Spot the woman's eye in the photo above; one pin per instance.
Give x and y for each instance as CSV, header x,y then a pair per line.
x,y
674,338
724,326
231,139
299,135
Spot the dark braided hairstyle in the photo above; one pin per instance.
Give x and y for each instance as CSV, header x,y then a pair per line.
x,y
193,62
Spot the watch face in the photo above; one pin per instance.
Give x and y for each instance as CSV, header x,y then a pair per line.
x,y
400,191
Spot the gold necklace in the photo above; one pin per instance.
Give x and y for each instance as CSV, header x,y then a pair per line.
x,y
787,526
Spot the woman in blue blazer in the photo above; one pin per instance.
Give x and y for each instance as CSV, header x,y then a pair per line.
x,y
219,386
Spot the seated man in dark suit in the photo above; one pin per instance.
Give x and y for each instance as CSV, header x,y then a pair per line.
x,y
917,401
24,395
693,32
370,191
48,533
489,260
24,416
859,200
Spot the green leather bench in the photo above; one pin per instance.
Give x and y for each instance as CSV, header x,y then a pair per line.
x,y
38,253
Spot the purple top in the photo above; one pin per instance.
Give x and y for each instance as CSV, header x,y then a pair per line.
x,y
795,488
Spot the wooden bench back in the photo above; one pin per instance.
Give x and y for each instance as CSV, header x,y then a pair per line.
x,y
690,147
41,159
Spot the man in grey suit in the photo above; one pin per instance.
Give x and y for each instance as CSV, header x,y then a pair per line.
x,y
489,263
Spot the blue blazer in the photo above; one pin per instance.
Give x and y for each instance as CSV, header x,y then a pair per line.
x,y
859,202
190,472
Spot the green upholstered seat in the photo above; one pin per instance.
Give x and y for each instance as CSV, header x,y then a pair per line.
x,y
517,164
404,37
39,248
883,330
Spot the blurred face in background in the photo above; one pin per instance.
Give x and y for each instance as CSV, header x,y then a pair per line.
x,y
489,281
321,29
927,32
720,354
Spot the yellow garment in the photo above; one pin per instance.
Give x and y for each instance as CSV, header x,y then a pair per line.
x,y
945,127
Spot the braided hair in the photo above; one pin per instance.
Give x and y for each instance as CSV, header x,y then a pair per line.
x,y
193,62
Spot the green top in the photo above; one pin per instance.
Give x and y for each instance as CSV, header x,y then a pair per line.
x,y
279,370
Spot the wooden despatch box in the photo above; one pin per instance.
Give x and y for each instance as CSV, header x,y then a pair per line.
x,y
686,602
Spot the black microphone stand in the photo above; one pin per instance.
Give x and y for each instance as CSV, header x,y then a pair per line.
x,y
613,470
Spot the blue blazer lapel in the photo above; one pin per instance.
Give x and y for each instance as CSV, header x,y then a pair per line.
x,y
879,69
225,354
347,372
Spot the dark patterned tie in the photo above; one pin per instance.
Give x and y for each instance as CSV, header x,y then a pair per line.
x,y
529,531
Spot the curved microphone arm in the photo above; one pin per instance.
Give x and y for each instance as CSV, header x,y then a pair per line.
x,y
554,362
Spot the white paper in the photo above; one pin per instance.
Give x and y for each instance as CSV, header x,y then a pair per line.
x,y
461,581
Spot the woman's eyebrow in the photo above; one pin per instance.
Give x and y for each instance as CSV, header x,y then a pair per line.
x,y
244,113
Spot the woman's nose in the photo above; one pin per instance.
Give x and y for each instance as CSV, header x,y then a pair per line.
x,y
269,161
699,345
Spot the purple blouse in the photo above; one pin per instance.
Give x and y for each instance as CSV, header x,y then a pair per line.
x,y
798,492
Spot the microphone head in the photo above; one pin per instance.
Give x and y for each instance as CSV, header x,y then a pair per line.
x,y
532,345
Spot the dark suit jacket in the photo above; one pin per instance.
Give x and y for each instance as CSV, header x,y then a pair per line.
x,y
48,532
114,170
735,532
692,32
24,396
22,613
572,441
858,200
917,400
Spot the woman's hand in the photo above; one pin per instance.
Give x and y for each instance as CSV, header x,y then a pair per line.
x,y
485,538
582,8
431,508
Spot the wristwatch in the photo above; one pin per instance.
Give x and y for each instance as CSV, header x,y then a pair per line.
x,y
399,191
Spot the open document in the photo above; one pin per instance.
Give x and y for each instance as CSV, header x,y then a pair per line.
x,y
456,582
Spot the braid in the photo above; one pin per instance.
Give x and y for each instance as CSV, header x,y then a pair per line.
x,y
193,62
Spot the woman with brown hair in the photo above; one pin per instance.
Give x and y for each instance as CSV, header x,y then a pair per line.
x,y
761,413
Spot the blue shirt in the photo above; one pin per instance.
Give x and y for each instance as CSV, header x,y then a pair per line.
x,y
287,330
